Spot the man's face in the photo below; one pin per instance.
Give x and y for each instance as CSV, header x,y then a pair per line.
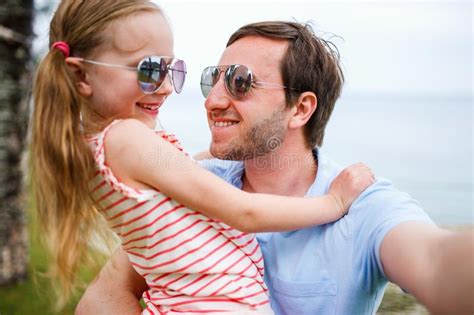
x,y
255,124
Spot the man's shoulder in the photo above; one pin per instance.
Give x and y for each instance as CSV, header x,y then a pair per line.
x,y
379,202
384,195
379,209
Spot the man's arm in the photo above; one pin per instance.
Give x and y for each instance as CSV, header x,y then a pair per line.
x,y
116,290
433,264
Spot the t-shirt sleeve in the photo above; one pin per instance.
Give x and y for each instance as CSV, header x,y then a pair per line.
x,y
99,153
379,209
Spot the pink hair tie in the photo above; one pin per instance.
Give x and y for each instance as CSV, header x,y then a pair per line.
x,y
62,46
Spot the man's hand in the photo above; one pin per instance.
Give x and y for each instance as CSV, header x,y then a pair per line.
x,y
116,290
349,184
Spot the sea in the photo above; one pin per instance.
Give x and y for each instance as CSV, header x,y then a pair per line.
x,y
422,143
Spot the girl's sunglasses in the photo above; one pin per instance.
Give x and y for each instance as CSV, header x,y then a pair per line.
x,y
152,71
238,80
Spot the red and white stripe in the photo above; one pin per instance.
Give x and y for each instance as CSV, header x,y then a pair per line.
x,y
192,264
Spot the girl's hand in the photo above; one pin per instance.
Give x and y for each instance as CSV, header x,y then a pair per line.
x,y
349,184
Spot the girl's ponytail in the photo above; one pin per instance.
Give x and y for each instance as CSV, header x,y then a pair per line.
x,y
61,165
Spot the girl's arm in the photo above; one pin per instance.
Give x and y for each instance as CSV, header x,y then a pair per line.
x,y
138,156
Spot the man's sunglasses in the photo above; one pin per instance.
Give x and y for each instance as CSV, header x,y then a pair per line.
x,y
238,80
152,71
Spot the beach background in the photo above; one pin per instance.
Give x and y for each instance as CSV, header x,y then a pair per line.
x,y
406,108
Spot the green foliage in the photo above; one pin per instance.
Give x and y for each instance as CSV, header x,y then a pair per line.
x,y
395,301
35,295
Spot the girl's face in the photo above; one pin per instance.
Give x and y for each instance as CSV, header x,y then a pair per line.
x,y
114,92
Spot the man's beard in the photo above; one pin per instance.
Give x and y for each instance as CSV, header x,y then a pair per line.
x,y
263,138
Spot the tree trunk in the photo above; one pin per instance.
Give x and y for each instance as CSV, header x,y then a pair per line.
x,y
15,87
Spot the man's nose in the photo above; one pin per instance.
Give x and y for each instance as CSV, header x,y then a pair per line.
x,y
218,97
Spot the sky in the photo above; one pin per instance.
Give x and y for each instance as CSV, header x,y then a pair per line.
x,y
387,47
417,47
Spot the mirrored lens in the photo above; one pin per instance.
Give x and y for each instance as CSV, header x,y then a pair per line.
x,y
238,80
178,71
151,73
215,74
208,79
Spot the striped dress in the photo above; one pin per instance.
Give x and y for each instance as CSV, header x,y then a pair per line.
x,y
191,263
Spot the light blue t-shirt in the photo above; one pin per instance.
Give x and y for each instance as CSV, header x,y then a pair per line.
x,y
333,268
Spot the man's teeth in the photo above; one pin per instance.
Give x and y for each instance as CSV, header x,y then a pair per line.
x,y
224,123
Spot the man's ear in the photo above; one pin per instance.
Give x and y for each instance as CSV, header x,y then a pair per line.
x,y
76,67
303,110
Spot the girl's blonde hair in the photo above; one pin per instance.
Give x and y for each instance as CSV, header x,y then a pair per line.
x,y
61,161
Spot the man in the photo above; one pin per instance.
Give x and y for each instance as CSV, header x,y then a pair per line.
x,y
272,124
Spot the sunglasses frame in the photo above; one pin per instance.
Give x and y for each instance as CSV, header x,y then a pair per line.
x,y
169,69
228,71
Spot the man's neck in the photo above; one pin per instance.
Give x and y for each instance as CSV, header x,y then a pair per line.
x,y
280,173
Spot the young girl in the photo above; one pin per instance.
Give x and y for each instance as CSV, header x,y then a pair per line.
x,y
94,153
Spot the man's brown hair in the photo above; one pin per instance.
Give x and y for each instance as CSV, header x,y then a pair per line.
x,y
309,64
